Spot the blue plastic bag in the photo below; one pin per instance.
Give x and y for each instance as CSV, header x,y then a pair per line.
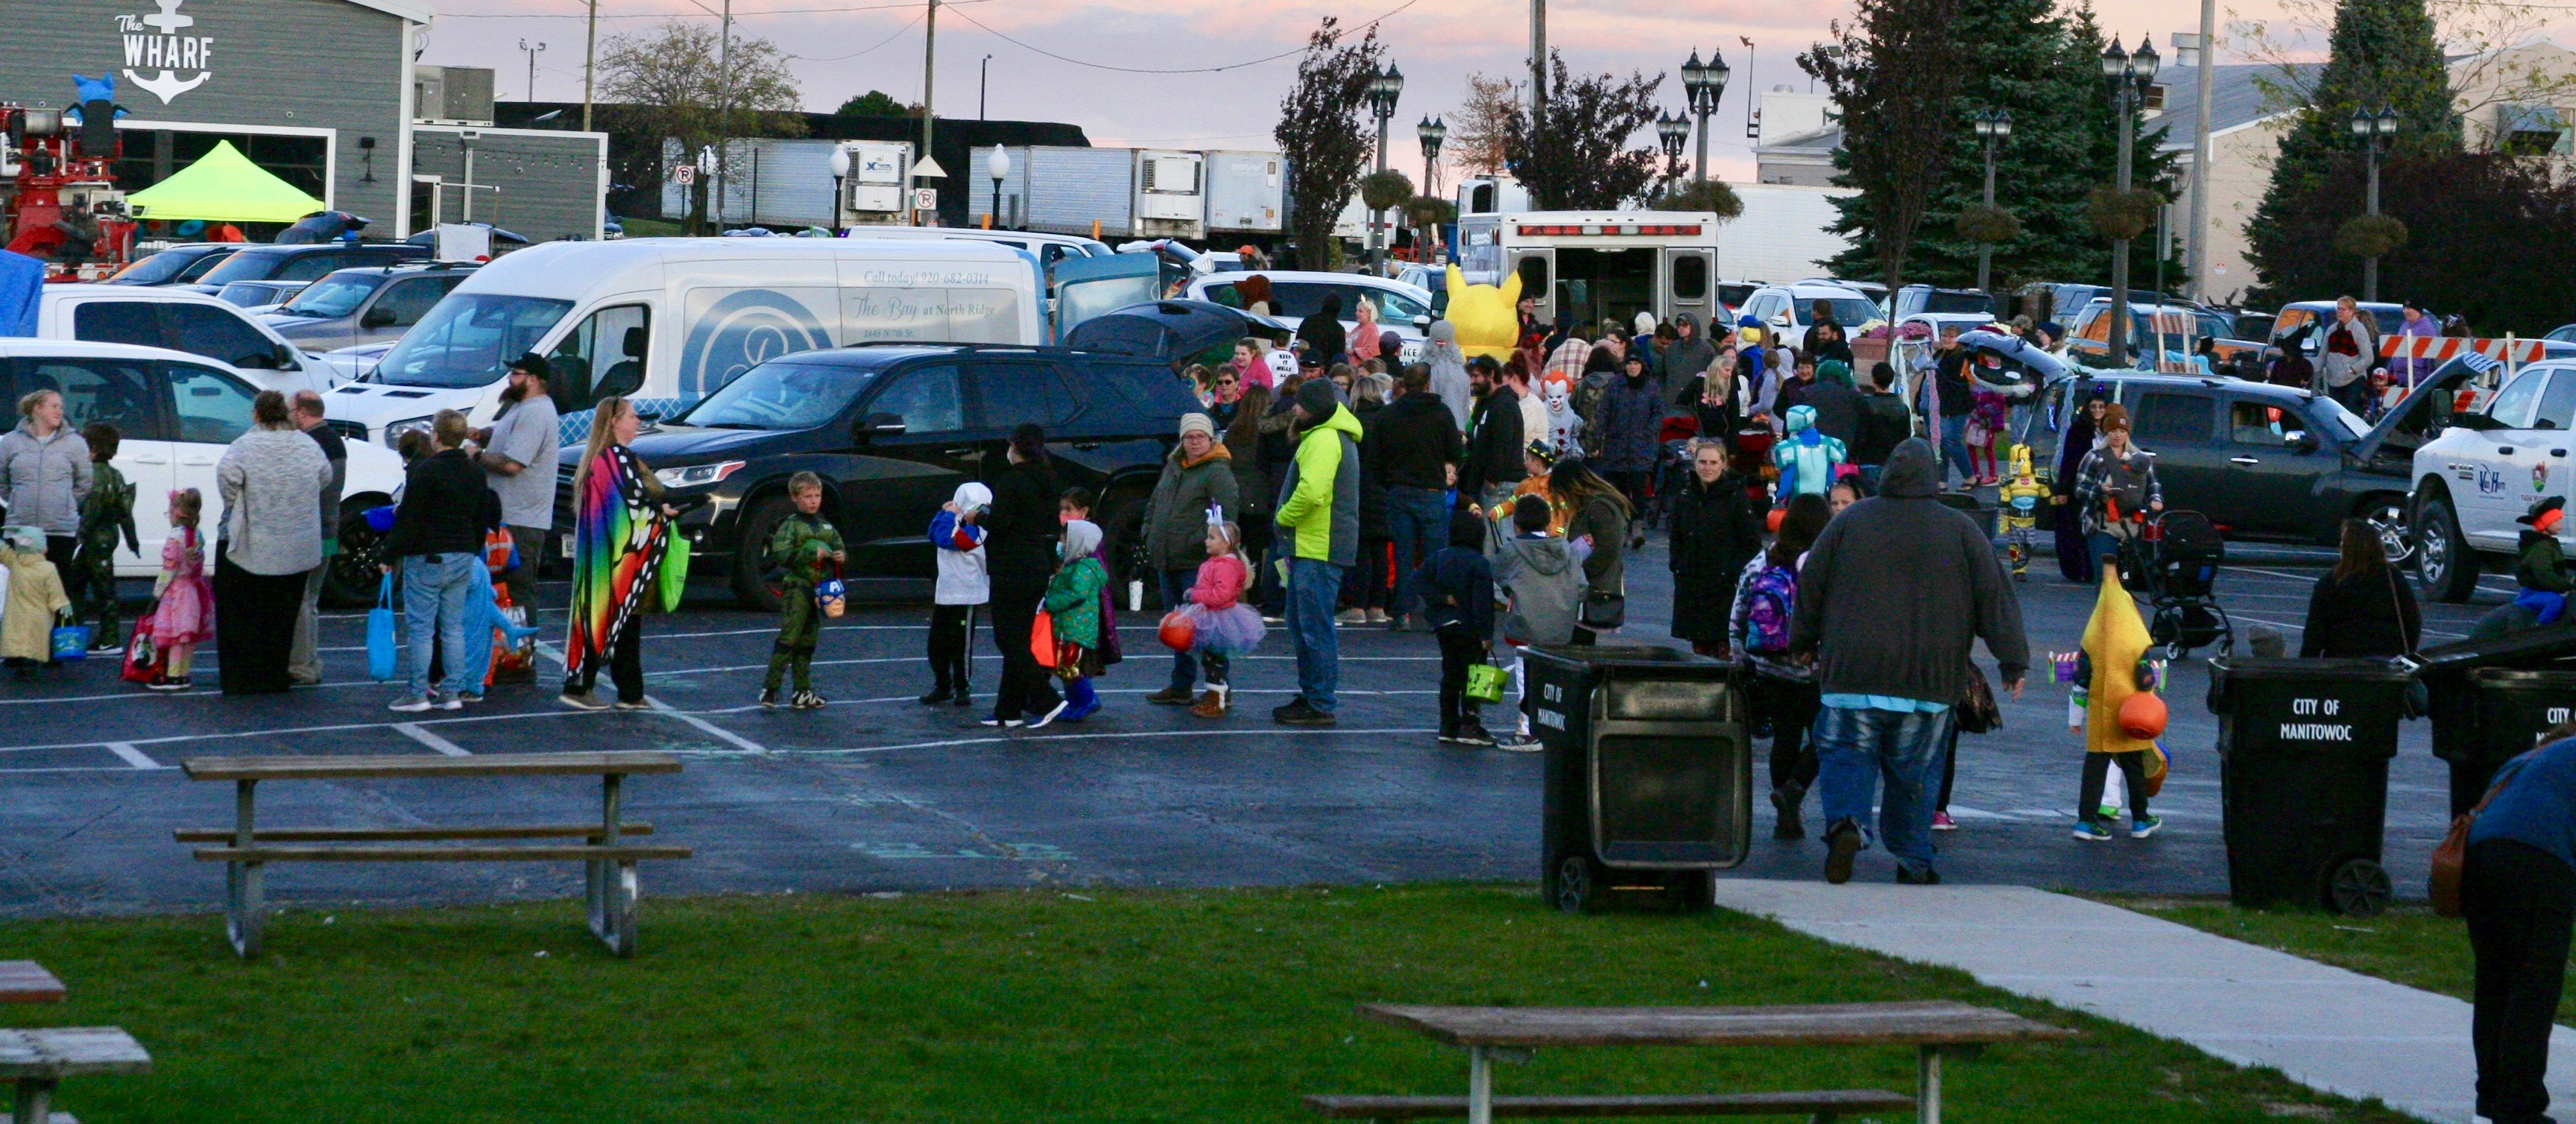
x,y
71,642
382,648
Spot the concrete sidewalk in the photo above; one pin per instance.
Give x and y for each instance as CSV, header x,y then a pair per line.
x,y
2329,1029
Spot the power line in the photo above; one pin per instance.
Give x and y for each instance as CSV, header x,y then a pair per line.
x,y
898,34
1182,70
686,15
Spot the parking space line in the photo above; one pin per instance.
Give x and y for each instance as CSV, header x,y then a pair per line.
x,y
1024,739
414,732
126,752
708,728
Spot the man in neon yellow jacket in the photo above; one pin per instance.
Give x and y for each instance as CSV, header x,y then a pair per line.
x,y
1319,520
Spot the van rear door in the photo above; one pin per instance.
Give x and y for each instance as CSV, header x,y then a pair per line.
x,y
1086,287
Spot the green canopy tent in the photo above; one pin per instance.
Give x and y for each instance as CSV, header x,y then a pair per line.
x,y
223,186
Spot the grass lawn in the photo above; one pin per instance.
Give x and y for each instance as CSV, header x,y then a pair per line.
x,y
2407,944
1032,1006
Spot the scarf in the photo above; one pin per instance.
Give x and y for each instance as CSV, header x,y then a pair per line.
x,y
617,544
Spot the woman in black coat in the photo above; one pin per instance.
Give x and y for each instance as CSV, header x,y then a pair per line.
x,y
2361,608
1019,553
1714,534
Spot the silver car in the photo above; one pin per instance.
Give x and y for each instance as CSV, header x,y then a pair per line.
x,y
375,304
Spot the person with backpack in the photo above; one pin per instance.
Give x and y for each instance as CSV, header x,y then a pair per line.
x,y
1784,687
1539,576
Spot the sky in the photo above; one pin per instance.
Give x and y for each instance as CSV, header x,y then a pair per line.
x,y
847,47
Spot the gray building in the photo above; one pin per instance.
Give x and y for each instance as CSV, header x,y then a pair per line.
x,y
318,92
541,184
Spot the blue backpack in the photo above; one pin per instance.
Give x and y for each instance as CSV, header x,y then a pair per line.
x,y
1768,602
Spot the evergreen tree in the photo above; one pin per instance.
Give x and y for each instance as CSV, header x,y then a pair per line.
x,y
2381,53
2044,66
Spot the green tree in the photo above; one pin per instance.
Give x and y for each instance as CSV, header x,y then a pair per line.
x,y
666,84
1895,72
1321,136
1581,159
874,103
2380,53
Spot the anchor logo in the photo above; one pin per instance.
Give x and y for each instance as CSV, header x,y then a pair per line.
x,y
155,42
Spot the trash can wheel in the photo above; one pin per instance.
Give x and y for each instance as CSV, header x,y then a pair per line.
x,y
1578,885
2358,888
1692,891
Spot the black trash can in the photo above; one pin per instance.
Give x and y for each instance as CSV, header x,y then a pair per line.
x,y
1649,783
2457,707
2507,712
2303,749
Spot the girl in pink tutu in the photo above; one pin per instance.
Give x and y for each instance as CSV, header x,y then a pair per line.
x,y
1222,627
186,612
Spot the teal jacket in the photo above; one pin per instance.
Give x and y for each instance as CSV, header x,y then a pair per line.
x,y
1073,600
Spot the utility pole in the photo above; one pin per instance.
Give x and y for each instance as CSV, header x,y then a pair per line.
x,y
2198,247
1538,68
724,113
2129,73
531,52
589,63
983,89
929,70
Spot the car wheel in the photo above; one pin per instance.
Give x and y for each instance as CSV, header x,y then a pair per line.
x,y
756,583
350,578
2444,564
2387,518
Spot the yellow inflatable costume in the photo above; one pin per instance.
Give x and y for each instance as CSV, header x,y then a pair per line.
x,y
1488,316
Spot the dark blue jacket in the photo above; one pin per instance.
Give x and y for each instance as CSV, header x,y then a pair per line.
x,y
1457,587
2537,806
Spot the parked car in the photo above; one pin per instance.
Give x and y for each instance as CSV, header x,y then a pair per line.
x,y
2564,333
259,296
2292,317
174,265
174,413
1295,295
2268,462
1924,298
2062,301
371,305
2487,455
181,319
2178,327
303,263
1788,309
2252,325
893,429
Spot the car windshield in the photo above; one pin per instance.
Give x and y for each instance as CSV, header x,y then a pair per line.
x,y
468,338
337,295
246,265
1296,300
781,394
162,267
2340,423
1938,301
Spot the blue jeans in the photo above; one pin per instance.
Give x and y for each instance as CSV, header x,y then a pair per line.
x,y
1856,749
434,610
1418,520
1313,585
1954,447
2103,550
1185,665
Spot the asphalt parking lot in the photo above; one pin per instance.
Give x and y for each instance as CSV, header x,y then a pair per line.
x,y
877,793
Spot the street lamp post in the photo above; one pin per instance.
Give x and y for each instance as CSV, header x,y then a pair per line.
x,y
2130,74
1704,84
840,172
2374,129
1382,92
1992,127
1432,131
1674,131
998,166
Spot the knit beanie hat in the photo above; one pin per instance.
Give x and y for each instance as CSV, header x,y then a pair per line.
x,y
1316,396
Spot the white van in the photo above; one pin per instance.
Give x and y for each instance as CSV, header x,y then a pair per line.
x,y
181,320
667,321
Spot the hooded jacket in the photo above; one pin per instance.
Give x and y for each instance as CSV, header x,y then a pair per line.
x,y
960,543
1632,417
1897,589
1176,517
1319,497
44,478
1494,446
1325,339
1689,355
1449,372
1413,438
1544,581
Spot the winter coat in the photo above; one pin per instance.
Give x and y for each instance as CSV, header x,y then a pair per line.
x,y
1073,601
1251,473
1457,585
1883,422
1319,498
35,597
1373,524
960,548
272,482
1689,355
2371,614
1543,581
1176,518
44,479
2334,369
1449,372
1632,416
2129,480
1324,337
1412,439
1494,445
1605,570
1021,526
1713,533
1837,409
446,508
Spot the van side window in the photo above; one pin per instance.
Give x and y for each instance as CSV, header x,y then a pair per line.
x,y
2558,406
132,322
219,333
213,407
120,392
603,357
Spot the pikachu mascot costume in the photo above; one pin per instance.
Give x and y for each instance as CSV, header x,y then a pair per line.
x,y
1488,316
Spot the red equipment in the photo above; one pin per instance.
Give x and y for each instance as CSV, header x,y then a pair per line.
x,y
61,204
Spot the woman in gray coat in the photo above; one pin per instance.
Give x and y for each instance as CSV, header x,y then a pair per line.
x,y
1198,478
271,479
44,474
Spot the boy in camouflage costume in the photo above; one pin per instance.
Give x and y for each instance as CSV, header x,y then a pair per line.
x,y
798,547
106,514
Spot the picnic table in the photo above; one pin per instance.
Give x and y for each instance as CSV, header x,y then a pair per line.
x,y
35,1061
1493,1034
608,861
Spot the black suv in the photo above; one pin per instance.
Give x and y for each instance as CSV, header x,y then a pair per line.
x,y
893,429
303,263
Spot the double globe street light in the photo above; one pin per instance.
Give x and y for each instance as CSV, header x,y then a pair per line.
x,y
2130,75
1993,126
2376,129
1704,84
1383,88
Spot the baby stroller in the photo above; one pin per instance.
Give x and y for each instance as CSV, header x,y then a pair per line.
x,y
2174,561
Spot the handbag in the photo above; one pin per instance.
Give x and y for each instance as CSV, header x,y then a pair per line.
x,y
500,551
2159,763
1042,639
69,642
2418,700
1485,681
1978,713
833,594
1601,610
675,572
2451,858
380,634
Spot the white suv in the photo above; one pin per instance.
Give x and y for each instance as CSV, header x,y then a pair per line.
x,y
1786,309
1295,295
2512,445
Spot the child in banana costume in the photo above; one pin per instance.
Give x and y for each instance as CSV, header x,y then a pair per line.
x,y
2113,667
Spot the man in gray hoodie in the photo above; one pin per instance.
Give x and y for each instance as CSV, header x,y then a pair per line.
x,y
1688,356
1891,599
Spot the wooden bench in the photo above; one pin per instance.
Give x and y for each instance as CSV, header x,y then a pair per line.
x,y
25,981
1492,1034
37,1060
608,860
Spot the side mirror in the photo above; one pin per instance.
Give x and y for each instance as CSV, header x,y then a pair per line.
x,y
2302,441
377,317
881,425
1422,322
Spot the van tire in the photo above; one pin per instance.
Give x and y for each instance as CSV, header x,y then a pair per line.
x,y
754,582
2445,565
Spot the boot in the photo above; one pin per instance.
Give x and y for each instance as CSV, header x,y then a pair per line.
x,y
1213,703
1786,799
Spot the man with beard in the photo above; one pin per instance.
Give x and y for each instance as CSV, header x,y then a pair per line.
x,y
1492,468
518,459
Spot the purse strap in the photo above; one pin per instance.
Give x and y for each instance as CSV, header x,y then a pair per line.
x,y
2397,610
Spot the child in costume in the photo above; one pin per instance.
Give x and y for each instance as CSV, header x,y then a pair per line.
x,y
2540,566
958,534
36,601
1073,600
1808,460
2017,511
798,548
1222,627
106,518
2113,667
185,614
1989,418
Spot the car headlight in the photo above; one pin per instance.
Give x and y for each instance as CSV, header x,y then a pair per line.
x,y
394,433
697,475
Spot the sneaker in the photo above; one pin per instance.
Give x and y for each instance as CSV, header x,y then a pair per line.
x,y
1351,616
1051,715
1403,623
1472,733
107,644
632,704
168,684
2109,812
1941,821
2091,832
1448,735
962,699
1520,743
769,696
1001,723
1785,801
1378,616
2140,829
1299,713
581,701
936,697
410,704
806,700
1273,618
1072,713
469,698
450,702
1928,877
1180,695
1842,845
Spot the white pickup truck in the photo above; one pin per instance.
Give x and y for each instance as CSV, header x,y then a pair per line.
x,y
2502,448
